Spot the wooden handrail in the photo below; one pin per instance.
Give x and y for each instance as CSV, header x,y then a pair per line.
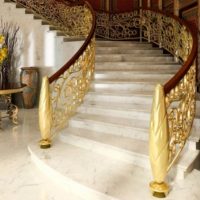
x,y
80,51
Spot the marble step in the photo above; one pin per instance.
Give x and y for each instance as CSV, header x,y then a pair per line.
x,y
133,86
125,149
123,44
131,76
138,110
135,50
122,92
132,111
118,97
133,58
91,175
133,126
144,67
137,128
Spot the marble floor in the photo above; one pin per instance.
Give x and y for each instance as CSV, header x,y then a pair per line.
x,y
21,180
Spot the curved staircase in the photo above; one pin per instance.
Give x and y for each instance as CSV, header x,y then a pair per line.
x,y
103,154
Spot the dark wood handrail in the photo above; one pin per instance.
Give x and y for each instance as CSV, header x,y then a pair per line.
x,y
81,50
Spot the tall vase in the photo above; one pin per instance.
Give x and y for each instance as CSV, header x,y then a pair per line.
x,y
30,77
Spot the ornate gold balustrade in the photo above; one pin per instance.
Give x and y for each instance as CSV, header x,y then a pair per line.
x,y
64,91
173,108
74,20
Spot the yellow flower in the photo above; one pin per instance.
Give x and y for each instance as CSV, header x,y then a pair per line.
x,y
2,39
3,54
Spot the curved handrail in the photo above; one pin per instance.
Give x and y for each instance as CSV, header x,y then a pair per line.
x,y
79,52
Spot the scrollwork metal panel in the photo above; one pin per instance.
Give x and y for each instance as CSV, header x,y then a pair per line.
x,y
73,21
120,26
68,91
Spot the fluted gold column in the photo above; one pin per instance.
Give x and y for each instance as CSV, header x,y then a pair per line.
x,y
45,114
148,3
140,3
160,4
158,146
108,5
176,7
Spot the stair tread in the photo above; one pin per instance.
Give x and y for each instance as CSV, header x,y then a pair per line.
x,y
106,90
89,170
121,81
114,121
126,143
119,93
92,171
119,106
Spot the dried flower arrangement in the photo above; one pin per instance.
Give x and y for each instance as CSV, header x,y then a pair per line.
x,y
8,31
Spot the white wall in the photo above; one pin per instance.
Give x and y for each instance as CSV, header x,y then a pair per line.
x,y
37,45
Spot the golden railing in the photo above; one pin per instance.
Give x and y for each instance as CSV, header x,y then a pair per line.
x,y
64,91
173,108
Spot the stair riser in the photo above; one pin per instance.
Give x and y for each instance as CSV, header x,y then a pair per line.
x,y
107,150
109,129
132,58
115,113
126,131
142,68
130,76
92,96
123,45
139,160
107,50
141,87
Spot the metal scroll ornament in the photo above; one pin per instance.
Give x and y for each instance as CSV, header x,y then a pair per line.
x,y
71,20
120,26
68,91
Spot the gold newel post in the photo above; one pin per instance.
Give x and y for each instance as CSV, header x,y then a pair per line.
x,y
45,114
159,147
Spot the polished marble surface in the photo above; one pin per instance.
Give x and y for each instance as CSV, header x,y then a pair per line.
x,y
21,180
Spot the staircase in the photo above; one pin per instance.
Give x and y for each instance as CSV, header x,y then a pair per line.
x,y
103,154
